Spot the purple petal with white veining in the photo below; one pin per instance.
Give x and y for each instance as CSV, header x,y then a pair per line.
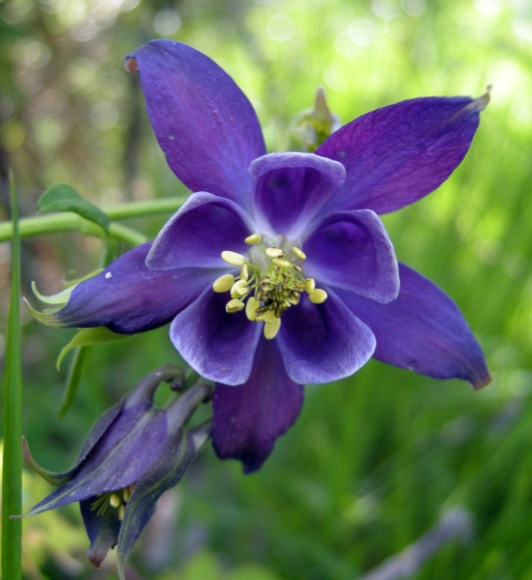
x,y
400,153
128,297
423,330
248,418
203,122
218,345
199,232
291,188
324,342
352,250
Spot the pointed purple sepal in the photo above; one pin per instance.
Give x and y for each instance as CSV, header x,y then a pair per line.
x,y
127,297
423,330
395,155
248,418
203,122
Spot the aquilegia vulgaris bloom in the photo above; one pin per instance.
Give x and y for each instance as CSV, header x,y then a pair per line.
x,y
277,271
132,455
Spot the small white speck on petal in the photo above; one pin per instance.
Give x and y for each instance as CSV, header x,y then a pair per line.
x,y
108,275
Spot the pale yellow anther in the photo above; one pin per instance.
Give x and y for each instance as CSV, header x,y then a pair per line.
x,y
253,239
299,253
244,272
251,308
234,305
114,500
233,258
239,289
223,283
268,316
272,328
310,285
274,252
282,263
121,512
126,494
318,296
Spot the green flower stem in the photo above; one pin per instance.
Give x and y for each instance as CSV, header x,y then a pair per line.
x,y
70,222
12,456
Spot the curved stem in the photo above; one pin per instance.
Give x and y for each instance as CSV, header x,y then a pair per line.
x,y
71,222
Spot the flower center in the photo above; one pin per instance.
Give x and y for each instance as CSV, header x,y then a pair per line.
x,y
271,281
115,500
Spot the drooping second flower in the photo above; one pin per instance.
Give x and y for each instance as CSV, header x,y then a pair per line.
x,y
132,455
277,271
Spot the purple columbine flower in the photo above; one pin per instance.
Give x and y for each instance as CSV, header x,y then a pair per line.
x,y
132,455
277,271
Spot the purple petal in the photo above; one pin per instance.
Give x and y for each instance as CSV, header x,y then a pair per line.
x,y
128,297
352,250
203,122
199,232
162,473
290,188
102,530
248,418
423,330
323,343
400,153
118,460
95,434
219,346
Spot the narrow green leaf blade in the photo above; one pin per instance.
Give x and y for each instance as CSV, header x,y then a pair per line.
x,y
90,337
63,197
12,461
79,361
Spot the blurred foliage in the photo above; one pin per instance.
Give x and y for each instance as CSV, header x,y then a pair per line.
x,y
374,459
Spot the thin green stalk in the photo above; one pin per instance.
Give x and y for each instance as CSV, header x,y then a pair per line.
x,y
12,460
70,222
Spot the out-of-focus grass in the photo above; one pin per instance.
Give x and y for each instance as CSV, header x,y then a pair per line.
x,y
373,460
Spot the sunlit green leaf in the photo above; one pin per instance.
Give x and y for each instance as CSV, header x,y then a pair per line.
x,y
90,337
63,197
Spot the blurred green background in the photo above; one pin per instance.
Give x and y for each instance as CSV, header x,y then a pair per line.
x,y
374,460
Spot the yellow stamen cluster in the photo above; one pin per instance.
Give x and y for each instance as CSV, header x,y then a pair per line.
x,y
270,289
116,500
